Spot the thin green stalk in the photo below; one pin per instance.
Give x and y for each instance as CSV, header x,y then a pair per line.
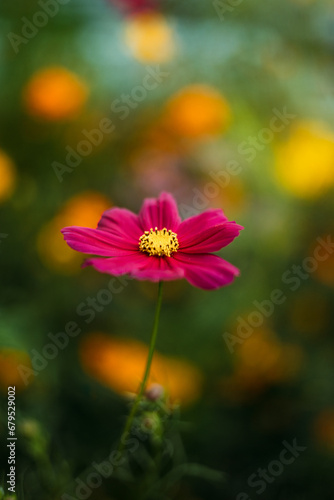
x,y
130,418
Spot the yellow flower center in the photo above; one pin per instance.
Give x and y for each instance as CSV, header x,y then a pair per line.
x,y
159,242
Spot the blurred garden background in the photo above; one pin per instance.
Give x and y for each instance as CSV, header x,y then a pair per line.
x,y
225,104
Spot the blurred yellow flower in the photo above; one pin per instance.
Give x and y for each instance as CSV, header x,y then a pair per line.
x,y
197,110
84,210
119,364
10,360
305,162
7,176
149,37
55,93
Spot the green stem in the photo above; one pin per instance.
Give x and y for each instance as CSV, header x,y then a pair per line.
x,y
130,418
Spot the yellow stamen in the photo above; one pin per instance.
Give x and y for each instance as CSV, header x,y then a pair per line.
x,y
161,242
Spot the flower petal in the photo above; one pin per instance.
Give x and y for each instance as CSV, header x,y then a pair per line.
x,y
96,241
160,212
197,223
209,240
124,264
160,269
205,270
121,222
140,266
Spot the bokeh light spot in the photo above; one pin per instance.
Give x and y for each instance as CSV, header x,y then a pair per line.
x,y
7,176
84,210
10,362
197,110
149,37
54,94
119,364
305,162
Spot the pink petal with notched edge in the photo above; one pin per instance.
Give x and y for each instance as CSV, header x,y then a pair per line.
x,y
211,239
160,212
96,241
206,271
138,265
121,222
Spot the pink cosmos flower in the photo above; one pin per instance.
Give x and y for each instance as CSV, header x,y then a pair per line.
x,y
157,246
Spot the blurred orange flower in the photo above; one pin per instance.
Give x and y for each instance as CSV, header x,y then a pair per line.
x,y
149,37
197,110
84,209
55,94
325,270
305,162
324,428
119,364
310,312
233,196
261,360
10,360
7,176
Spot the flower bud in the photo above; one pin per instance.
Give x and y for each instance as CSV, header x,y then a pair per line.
x,y
155,392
